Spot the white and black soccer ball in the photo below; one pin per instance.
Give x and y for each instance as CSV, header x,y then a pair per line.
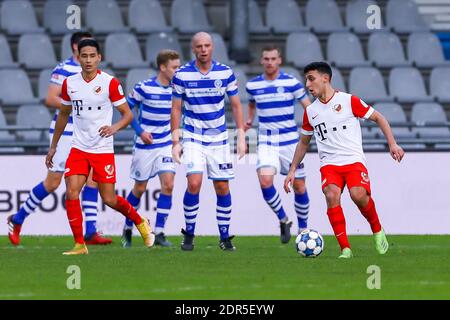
x,y
309,243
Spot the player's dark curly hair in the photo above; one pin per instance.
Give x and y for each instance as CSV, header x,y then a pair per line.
x,y
90,42
320,66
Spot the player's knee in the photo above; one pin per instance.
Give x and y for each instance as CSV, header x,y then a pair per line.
x,y
167,187
139,190
265,183
359,197
299,186
110,201
72,194
333,197
52,184
194,186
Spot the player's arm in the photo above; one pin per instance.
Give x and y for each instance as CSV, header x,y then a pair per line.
x,y
53,99
251,115
145,136
395,150
299,155
125,120
175,119
238,116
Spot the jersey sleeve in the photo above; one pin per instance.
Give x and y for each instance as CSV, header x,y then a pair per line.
x,y
58,76
250,96
307,129
298,91
178,88
136,96
232,87
116,93
65,99
360,109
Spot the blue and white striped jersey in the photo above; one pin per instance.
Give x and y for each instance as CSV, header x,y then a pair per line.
x,y
155,103
204,101
59,74
275,101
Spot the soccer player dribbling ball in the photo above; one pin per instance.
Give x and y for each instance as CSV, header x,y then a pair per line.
x,y
333,119
91,96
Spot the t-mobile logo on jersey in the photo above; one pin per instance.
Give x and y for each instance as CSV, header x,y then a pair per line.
x,y
77,105
321,130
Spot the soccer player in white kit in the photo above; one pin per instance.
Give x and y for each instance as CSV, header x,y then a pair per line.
x,y
333,119
54,175
91,96
152,153
202,84
272,95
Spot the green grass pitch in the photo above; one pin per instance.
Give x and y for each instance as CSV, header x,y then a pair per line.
x,y
416,267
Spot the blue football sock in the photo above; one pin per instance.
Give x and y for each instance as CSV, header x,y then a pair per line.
x,y
223,211
302,209
273,199
191,205
89,198
35,197
134,201
162,211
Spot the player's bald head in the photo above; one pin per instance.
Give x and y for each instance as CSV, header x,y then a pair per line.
x,y
201,37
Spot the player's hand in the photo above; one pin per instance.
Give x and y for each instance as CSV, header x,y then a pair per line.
x,y
241,146
289,181
146,137
177,150
107,131
397,152
49,158
247,125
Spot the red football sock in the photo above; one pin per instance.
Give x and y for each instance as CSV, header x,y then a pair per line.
x,y
75,219
337,220
370,213
125,208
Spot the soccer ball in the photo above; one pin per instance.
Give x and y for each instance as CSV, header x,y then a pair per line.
x,y
309,243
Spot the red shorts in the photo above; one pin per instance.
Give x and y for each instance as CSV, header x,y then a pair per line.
x,y
80,163
354,175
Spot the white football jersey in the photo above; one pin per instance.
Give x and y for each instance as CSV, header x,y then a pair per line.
x,y
92,108
336,128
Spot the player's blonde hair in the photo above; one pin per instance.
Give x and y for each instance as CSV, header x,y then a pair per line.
x,y
165,56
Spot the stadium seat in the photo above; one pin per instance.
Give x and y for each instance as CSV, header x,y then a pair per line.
x,y
394,113
406,85
344,50
5,136
66,50
189,16
158,41
284,16
368,84
385,50
6,60
323,16
366,132
242,80
303,48
146,16
44,80
337,81
126,134
425,50
292,71
55,16
440,84
255,20
15,88
356,15
423,113
35,51
33,116
104,16
298,114
18,17
403,17
127,54
137,75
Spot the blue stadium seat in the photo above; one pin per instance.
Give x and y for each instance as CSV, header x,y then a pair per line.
x,y
302,48
18,17
394,113
157,41
15,88
189,16
146,16
35,51
386,50
127,54
368,84
137,75
406,85
344,50
6,60
104,16
403,17
423,113
255,23
55,16
284,16
33,116
440,84
425,50
323,16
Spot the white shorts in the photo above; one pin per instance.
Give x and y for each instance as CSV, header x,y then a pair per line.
x,y
217,159
279,158
147,163
62,153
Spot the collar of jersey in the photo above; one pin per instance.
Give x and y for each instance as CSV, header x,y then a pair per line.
x,y
195,67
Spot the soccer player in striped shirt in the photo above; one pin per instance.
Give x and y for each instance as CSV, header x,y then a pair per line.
x,y
273,95
202,84
91,96
152,154
54,175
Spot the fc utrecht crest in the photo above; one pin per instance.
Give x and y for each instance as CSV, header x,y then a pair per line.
x,y
109,168
97,90
337,108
